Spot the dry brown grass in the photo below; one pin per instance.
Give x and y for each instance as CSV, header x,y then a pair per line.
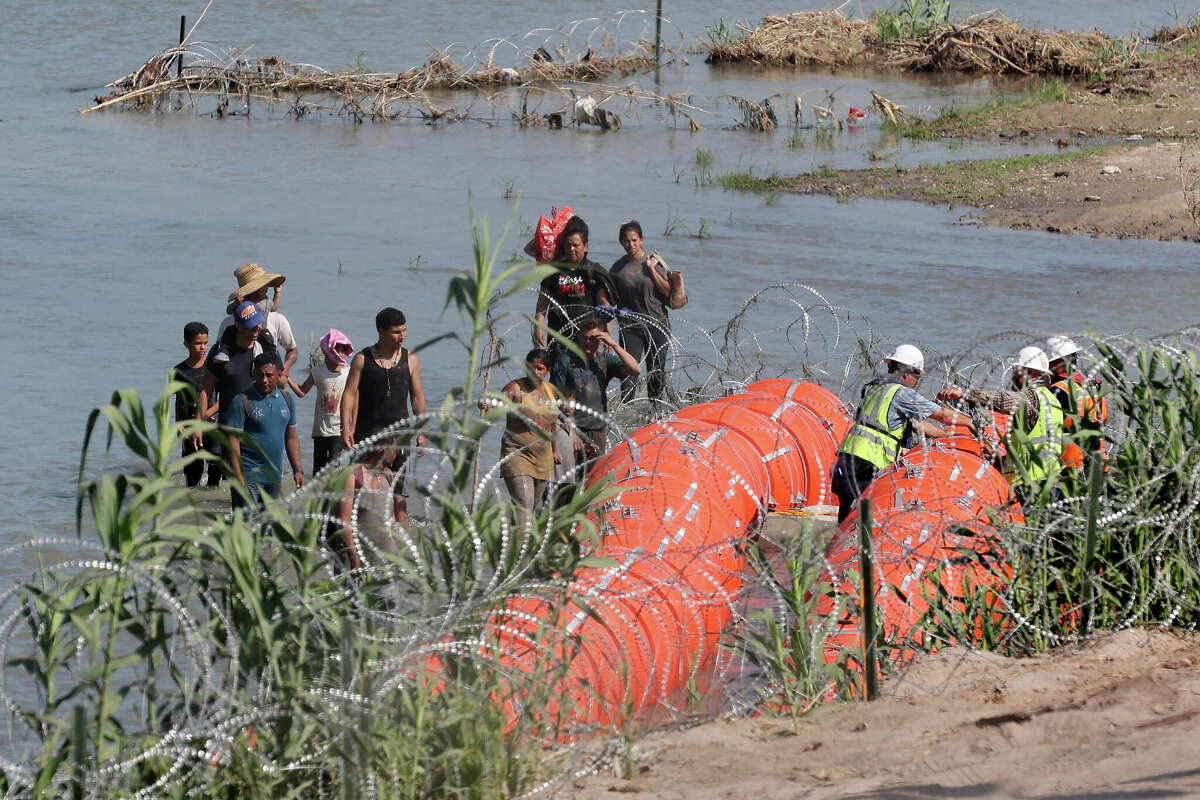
x,y
368,94
981,44
805,37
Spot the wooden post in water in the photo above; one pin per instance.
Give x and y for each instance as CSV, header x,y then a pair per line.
x,y
658,33
866,564
78,752
179,57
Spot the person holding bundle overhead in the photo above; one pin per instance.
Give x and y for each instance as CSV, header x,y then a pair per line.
x,y
575,290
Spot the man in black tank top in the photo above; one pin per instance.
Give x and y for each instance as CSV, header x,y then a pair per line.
x,y
382,380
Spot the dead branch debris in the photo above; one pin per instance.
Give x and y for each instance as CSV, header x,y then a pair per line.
x,y
980,44
273,78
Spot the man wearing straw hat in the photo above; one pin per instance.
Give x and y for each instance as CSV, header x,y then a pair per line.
x,y
253,282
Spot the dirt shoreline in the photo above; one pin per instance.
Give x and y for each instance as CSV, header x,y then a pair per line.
x,y
1119,191
1117,717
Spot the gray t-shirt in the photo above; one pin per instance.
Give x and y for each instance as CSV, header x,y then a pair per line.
x,y
636,290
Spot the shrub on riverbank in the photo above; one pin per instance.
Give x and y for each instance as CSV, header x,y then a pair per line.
x,y
923,39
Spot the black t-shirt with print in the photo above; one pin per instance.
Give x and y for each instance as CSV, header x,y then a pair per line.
x,y
573,291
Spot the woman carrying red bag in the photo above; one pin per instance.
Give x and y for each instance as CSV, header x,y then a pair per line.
x,y
574,292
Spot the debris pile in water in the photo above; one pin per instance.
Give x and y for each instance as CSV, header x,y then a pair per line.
x,y
978,44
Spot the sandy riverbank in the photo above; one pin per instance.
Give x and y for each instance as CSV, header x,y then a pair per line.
x,y
1117,717
1076,192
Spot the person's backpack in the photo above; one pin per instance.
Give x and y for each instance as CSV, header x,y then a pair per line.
x,y
265,340
286,396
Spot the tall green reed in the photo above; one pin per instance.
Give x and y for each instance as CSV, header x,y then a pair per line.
x,y
209,653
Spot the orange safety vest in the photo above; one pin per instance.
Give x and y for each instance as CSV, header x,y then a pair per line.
x,y
1089,407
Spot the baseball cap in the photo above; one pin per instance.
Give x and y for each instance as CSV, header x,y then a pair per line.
x,y
248,316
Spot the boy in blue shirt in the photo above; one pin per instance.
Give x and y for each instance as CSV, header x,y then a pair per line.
x,y
586,380
268,417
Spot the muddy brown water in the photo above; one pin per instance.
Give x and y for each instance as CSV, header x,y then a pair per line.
x,y
117,228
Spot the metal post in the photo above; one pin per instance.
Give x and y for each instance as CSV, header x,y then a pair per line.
x,y
658,32
179,57
349,762
867,568
78,752
1095,481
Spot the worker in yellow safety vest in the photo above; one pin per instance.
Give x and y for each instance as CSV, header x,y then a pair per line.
x,y
891,417
1034,458
1084,407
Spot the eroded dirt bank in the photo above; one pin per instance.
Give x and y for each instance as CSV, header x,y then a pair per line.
x,y
1116,718
1121,191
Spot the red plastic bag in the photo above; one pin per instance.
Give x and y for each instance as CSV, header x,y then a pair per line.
x,y
548,231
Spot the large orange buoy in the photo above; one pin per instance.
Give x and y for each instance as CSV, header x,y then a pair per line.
x,y
686,492
776,447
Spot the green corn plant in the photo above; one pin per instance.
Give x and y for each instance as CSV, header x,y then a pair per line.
x,y
787,643
241,620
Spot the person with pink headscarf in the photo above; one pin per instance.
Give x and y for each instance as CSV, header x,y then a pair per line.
x,y
329,376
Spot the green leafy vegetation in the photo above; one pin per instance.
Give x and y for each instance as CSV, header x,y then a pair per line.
x,y
724,33
914,19
189,655
747,181
958,120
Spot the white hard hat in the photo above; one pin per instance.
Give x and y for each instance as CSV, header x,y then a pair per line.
x,y
908,356
1032,358
1060,347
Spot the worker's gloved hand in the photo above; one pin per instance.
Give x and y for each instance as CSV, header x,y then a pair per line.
x,y
949,394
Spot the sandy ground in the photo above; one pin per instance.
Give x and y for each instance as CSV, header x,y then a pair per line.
x,y
1070,194
1116,718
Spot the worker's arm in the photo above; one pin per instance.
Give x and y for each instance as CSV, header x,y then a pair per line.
x,y
930,429
948,416
349,407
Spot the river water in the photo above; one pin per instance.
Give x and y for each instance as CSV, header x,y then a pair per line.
x,y
117,228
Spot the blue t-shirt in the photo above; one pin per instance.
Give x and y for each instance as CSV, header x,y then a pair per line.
x,y
586,384
270,417
908,404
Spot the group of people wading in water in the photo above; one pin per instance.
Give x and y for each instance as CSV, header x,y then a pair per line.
x,y
557,422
